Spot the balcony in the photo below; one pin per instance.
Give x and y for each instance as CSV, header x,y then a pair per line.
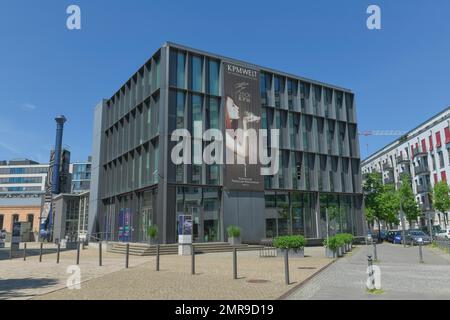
x,y
423,188
421,169
418,152
387,166
402,160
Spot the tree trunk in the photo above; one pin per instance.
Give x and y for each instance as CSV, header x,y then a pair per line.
x,y
379,231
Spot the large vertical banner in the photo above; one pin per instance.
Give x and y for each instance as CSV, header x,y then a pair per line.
x,y
242,124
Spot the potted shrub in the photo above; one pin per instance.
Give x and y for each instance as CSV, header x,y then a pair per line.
x,y
152,233
234,235
294,244
340,245
349,241
331,247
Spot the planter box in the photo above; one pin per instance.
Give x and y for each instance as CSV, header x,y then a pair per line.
x,y
234,241
330,253
339,252
153,241
344,249
300,253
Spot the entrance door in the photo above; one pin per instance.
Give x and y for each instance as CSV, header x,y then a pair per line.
x,y
146,221
197,223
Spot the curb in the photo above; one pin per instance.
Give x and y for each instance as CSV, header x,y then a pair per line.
x,y
301,284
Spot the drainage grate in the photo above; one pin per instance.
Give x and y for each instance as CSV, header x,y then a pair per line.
x,y
257,281
307,268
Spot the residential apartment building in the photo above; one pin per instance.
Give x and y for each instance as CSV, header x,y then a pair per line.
x,y
135,184
423,154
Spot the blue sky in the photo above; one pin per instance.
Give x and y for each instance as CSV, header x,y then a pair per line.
x,y
400,74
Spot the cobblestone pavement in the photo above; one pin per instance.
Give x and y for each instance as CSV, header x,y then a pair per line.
x,y
402,276
25,279
213,279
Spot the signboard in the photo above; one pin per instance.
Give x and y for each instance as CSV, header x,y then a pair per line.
x,y
185,229
125,224
242,111
15,237
184,224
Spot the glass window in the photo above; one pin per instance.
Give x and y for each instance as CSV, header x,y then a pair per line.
x,y
213,77
181,61
213,113
277,88
197,145
180,110
196,75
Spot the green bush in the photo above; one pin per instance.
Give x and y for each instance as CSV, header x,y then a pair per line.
x,y
152,231
234,231
289,242
346,237
333,243
340,239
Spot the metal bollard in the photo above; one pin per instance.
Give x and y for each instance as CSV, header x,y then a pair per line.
x,y
127,255
371,273
100,253
192,259
24,251
286,266
58,250
157,257
78,253
375,251
420,252
235,263
11,251
40,252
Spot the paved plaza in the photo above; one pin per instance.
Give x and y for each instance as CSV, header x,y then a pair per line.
x,y
402,276
258,277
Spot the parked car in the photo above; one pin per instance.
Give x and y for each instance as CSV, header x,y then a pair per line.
x,y
414,237
398,236
444,233
391,235
376,235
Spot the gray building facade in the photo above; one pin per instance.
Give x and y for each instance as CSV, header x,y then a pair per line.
x,y
134,183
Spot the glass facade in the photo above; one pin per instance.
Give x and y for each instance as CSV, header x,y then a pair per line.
x,y
317,184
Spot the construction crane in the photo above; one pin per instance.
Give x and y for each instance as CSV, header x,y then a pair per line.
x,y
387,133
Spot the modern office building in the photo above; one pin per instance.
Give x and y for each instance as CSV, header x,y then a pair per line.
x,y
135,183
22,178
71,216
22,184
80,176
422,154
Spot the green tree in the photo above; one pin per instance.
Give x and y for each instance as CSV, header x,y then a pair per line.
x,y
372,189
388,204
408,201
441,199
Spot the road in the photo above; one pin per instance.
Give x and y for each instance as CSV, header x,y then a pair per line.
x,y
402,276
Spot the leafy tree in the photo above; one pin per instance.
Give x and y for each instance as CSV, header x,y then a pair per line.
x,y
382,202
372,188
389,204
441,199
408,201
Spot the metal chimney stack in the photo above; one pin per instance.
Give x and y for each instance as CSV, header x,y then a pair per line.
x,y
60,120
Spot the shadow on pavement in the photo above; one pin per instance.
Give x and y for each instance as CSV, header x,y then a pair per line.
x,y
9,287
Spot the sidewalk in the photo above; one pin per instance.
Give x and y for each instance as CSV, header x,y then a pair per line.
x,y
258,278
402,276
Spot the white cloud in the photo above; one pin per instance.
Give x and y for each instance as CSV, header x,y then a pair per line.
x,y
28,106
